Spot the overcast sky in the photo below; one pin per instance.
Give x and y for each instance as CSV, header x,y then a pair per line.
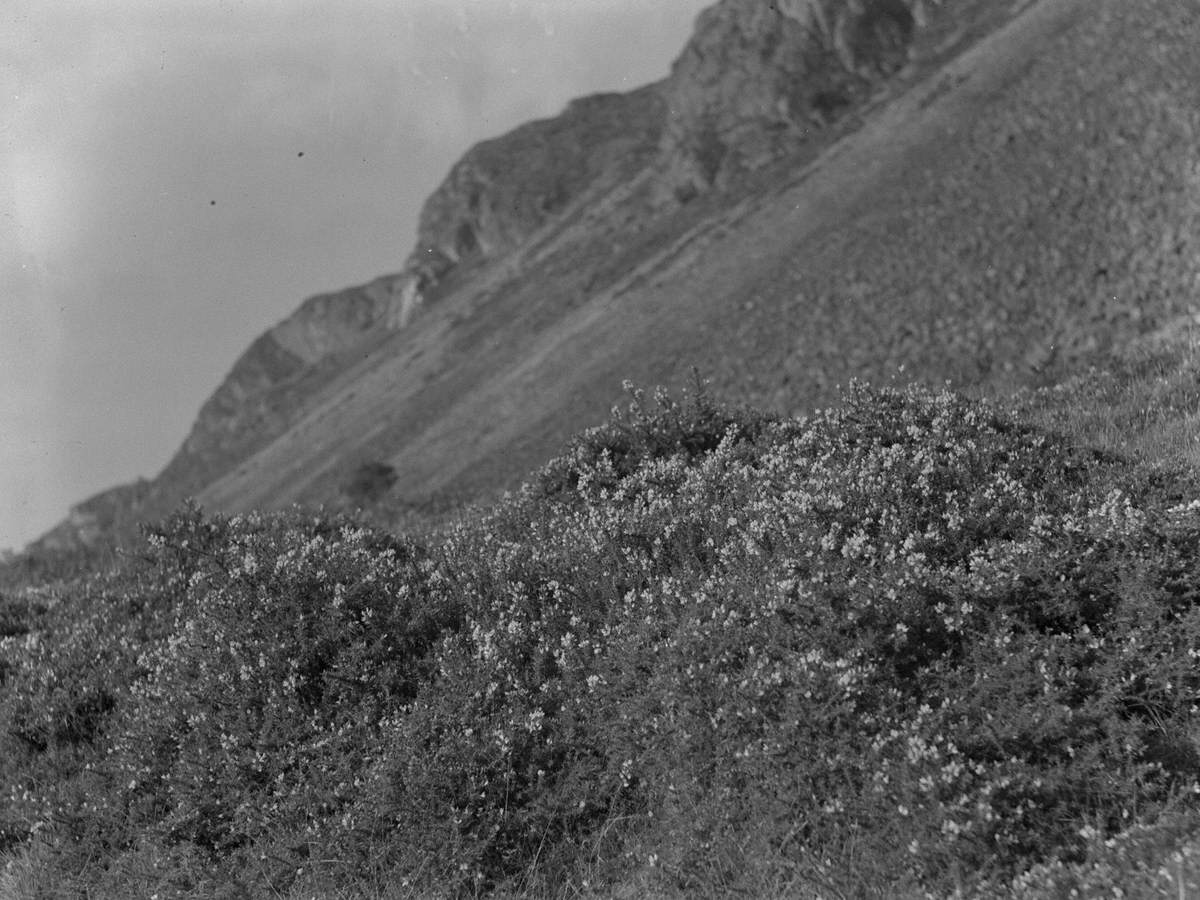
x,y
156,213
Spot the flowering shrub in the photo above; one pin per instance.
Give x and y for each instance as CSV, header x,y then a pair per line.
x,y
1156,859
910,625
68,654
293,643
907,642
640,434
237,696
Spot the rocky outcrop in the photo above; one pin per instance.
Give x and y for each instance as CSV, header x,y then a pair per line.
x,y
757,77
504,190
753,80
330,323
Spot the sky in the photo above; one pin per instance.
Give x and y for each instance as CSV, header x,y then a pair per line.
x,y
176,176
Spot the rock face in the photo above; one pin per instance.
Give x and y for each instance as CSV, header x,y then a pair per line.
x,y
504,190
754,78
757,77
329,323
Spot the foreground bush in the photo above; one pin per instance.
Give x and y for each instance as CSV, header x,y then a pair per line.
x,y
910,643
236,699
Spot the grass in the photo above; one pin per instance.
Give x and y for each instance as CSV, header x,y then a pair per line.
x,y
918,644
1145,404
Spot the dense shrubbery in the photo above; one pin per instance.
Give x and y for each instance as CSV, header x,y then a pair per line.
x,y
639,434
910,642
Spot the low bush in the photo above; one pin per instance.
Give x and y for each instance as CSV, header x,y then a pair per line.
x,y
640,433
222,689
370,482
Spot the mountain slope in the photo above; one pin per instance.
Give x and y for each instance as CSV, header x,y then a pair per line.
x,y
995,193
938,208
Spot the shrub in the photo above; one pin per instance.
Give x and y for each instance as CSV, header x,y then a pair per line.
x,y
911,629
370,482
224,686
639,434
295,640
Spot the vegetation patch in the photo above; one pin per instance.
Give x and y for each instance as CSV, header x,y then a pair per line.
x,y
911,644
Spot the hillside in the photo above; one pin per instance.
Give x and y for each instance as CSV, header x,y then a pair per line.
x,y
779,633
835,189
